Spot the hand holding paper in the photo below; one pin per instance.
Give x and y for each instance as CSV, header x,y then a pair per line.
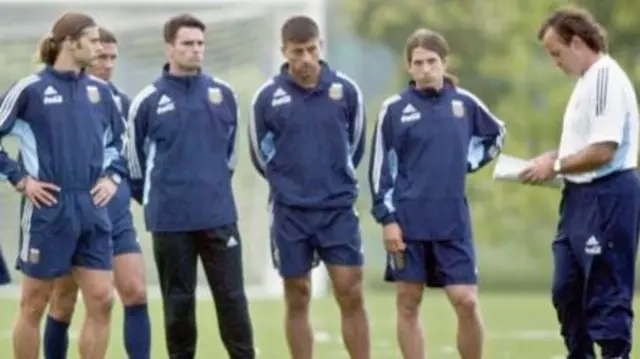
x,y
508,168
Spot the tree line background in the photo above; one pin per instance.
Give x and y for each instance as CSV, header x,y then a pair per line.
x,y
496,55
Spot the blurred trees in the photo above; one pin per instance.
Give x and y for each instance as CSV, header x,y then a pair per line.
x,y
496,54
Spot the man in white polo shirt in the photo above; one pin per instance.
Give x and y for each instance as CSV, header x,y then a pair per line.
x,y
595,248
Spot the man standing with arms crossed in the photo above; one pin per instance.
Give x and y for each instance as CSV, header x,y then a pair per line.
x,y
307,137
70,134
181,149
128,264
595,248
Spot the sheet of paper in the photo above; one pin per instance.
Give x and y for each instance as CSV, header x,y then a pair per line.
x,y
508,168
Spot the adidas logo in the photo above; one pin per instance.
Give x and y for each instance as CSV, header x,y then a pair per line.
x,y
280,97
164,100
50,91
165,105
51,96
409,109
592,247
592,241
232,242
410,114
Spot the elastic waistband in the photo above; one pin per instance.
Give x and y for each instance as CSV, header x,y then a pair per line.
x,y
614,180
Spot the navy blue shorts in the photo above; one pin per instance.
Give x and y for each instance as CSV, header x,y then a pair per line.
x,y
71,233
437,264
595,254
125,238
300,238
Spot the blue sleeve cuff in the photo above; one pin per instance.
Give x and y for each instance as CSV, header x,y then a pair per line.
x,y
385,218
388,219
116,169
16,176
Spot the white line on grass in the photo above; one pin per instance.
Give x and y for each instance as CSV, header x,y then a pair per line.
x,y
322,337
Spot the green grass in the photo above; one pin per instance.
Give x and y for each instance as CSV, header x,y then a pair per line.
x,y
519,326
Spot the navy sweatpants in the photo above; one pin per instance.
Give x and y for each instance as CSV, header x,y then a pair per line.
x,y
595,254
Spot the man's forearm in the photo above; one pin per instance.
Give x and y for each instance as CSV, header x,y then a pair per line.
x,y
589,159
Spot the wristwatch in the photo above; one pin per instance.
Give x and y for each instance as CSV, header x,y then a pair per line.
x,y
557,166
115,178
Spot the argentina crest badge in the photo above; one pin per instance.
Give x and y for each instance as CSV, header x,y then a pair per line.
x,y
336,92
34,255
457,107
93,93
215,95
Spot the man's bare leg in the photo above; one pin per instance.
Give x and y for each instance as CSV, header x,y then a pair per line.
x,y
61,309
347,288
63,299
34,297
409,330
97,292
297,295
128,270
129,276
464,299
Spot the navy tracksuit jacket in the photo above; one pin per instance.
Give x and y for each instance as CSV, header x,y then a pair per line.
x,y
182,152
70,132
308,157
425,143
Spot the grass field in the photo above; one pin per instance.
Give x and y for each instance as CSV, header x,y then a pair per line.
x,y
519,326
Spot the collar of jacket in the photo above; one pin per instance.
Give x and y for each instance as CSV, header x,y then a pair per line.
x,y
432,93
66,75
324,82
181,81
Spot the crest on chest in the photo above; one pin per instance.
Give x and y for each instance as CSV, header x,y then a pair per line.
x,y
457,108
93,93
336,91
215,95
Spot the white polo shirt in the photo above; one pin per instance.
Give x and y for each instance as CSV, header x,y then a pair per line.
x,y
603,108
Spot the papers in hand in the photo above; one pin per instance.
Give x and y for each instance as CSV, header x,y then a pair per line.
x,y
508,168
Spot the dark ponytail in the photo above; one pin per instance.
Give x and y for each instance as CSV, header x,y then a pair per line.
x,y
48,50
71,26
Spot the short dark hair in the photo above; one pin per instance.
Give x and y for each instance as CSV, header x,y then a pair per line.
x,y
174,24
106,36
299,29
572,21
